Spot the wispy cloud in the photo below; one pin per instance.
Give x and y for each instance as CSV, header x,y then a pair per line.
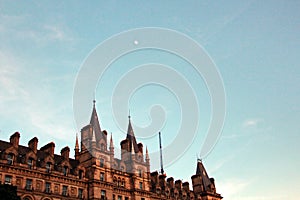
x,y
250,123
33,104
231,188
18,27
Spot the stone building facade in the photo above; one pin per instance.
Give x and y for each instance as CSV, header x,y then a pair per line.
x,y
95,173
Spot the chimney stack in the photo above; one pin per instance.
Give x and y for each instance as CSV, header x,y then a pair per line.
x,y
14,139
65,152
49,148
32,144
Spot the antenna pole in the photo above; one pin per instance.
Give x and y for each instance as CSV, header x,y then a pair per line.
x,y
161,158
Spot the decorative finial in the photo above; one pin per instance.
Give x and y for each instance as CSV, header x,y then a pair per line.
x,y
94,102
198,158
129,114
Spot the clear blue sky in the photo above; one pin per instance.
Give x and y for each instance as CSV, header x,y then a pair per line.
x,y
254,44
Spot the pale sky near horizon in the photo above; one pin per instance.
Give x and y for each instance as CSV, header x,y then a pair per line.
x,y
254,44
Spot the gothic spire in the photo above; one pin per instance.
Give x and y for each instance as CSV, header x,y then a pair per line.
x,y
76,143
95,124
147,154
131,137
111,144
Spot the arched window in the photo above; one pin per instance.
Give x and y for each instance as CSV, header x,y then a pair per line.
x,y
123,182
27,198
115,180
119,181
10,158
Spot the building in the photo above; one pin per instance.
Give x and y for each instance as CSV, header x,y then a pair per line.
x,y
94,173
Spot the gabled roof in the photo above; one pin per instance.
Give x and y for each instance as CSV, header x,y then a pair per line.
x,y
131,138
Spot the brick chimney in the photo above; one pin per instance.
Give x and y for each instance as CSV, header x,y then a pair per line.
x,y
178,184
186,186
170,182
65,152
49,148
32,144
14,139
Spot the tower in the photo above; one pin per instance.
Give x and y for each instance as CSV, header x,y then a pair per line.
x,y
203,186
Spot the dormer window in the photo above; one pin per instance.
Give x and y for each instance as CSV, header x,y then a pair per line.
x,y
65,170
30,163
48,167
10,159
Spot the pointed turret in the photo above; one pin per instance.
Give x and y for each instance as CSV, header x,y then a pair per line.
x,y
147,155
96,124
147,160
76,148
131,138
111,145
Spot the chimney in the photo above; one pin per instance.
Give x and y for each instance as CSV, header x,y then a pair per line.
x,y
65,152
49,148
170,182
186,186
14,139
162,180
154,176
32,144
178,184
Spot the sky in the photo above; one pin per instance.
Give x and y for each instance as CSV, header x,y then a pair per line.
x,y
253,44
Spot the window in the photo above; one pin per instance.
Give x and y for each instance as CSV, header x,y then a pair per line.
x,y
103,194
101,162
28,184
80,174
48,167
101,176
114,197
142,198
30,163
119,182
126,198
65,190
10,159
122,169
65,170
8,180
47,187
102,147
123,182
141,185
80,193
140,173
119,197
